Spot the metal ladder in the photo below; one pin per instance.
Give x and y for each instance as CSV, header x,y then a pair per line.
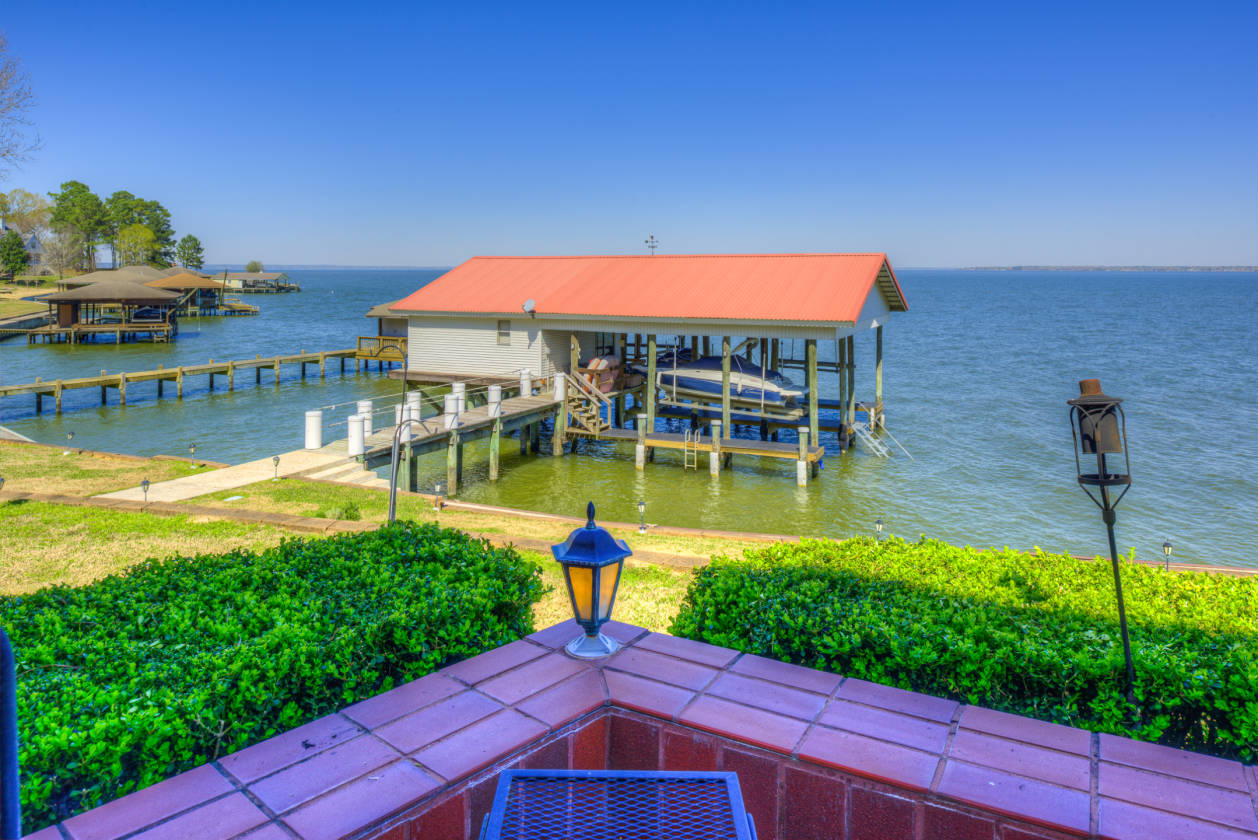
x,y
690,449
866,437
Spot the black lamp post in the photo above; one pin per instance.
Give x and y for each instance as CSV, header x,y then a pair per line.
x,y
641,516
1167,548
878,528
1099,427
144,485
591,560
192,448
276,462
10,798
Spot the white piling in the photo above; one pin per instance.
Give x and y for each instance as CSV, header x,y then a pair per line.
x,y
526,383
459,389
561,386
415,399
314,429
357,437
364,411
403,413
450,411
801,466
495,401
714,456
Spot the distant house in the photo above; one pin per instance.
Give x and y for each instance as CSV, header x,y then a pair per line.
x,y
258,282
34,248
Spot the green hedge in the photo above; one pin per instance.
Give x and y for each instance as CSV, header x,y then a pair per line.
x,y
140,676
1033,634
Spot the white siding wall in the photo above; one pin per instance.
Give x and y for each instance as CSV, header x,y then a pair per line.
x,y
470,346
556,349
393,326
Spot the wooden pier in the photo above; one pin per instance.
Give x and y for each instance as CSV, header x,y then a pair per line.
x,y
160,331
176,375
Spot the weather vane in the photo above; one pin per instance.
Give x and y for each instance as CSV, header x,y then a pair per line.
x,y
651,243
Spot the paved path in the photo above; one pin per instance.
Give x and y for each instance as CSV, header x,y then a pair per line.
x,y
229,478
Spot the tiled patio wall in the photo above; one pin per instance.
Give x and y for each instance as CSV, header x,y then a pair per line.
x,y
818,756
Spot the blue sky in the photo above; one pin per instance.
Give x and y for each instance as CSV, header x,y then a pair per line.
x,y
421,134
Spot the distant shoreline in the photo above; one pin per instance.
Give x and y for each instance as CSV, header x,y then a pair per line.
x,y
1110,268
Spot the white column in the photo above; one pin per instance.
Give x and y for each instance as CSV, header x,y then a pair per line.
x,y
459,389
364,411
314,429
450,411
403,413
561,386
801,466
495,401
415,399
357,437
714,457
526,383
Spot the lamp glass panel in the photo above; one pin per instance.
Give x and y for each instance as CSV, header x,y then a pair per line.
x,y
581,581
608,576
1099,431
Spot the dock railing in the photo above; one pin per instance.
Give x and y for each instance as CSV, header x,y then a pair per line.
x,y
384,348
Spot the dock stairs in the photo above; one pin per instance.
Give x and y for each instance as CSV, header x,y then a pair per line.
x,y
351,472
867,439
585,405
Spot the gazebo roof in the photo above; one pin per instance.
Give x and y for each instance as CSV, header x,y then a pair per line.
x,y
184,280
113,291
382,311
131,274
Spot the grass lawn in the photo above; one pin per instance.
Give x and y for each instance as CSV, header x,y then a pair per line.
x,y
44,544
9,308
43,469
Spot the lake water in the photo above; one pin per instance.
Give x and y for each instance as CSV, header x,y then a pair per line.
x,y
977,376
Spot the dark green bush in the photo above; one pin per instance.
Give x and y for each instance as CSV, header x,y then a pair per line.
x,y
1032,634
140,676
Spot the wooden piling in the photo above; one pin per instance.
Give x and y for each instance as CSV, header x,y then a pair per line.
x,y
814,390
639,448
725,363
714,457
801,465
650,381
179,382
122,389
495,438
231,376
275,363
556,439
453,476
57,394
323,365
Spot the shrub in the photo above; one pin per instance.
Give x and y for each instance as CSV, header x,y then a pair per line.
x,y
143,675
1032,634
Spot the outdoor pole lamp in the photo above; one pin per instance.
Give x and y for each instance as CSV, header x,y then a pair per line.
x,y
641,516
878,527
144,485
1100,431
276,462
591,560
1167,548
192,448
436,497
69,437
1,482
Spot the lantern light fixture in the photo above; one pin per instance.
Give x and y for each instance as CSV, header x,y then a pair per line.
x,y
276,462
1167,548
1099,427
144,485
436,497
641,516
69,437
192,448
878,527
592,560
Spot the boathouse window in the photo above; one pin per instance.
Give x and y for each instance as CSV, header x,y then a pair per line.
x,y
504,332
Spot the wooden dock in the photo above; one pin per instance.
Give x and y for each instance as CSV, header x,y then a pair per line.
x,y
128,330
162,375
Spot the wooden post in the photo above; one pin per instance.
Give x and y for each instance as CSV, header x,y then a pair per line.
x,y
556,439
495,438
725,362
814,390
122,389
57,394
275,364
842,348
179,382
639,449
574,353
773,354
452,463
650,382
694,347
851,380
877,375
707,345
637,345
535,433
257,375
801,466
231,376
323,364
525,438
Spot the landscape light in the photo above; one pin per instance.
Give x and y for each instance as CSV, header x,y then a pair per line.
x,y
69,437
276,462
878,527
591,560
1099,427
192,448
1,482
436,497
144,485
1167,548
641,516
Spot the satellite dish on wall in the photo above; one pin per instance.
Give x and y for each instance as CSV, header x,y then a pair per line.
x,y
529,307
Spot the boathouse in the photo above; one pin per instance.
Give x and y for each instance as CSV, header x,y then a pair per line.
x,y
124,309
497,316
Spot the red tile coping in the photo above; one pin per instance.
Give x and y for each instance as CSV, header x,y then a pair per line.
x,y
818,755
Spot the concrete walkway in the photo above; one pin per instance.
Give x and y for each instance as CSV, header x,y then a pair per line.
x,y
293,463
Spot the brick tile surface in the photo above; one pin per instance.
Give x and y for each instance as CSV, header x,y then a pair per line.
x,y
623,633
772,697
553,756
1056,807
302,782
361,803
270,831
758,781
946,824
1011,833
1125,821
566,701
686,749
898,700
710,655
1059,768
556,635
1190,799
403,700
795,676
1017,728
480,801
49,833
421,728
289,748
146,807
667,669
480,744
217,820
743,723
881,816
493,662
1173,762
446,821
532,677
910,731
589,746
648,696
632,744
811,807
872,759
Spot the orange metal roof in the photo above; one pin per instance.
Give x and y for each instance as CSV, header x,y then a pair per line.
x,y
739,287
